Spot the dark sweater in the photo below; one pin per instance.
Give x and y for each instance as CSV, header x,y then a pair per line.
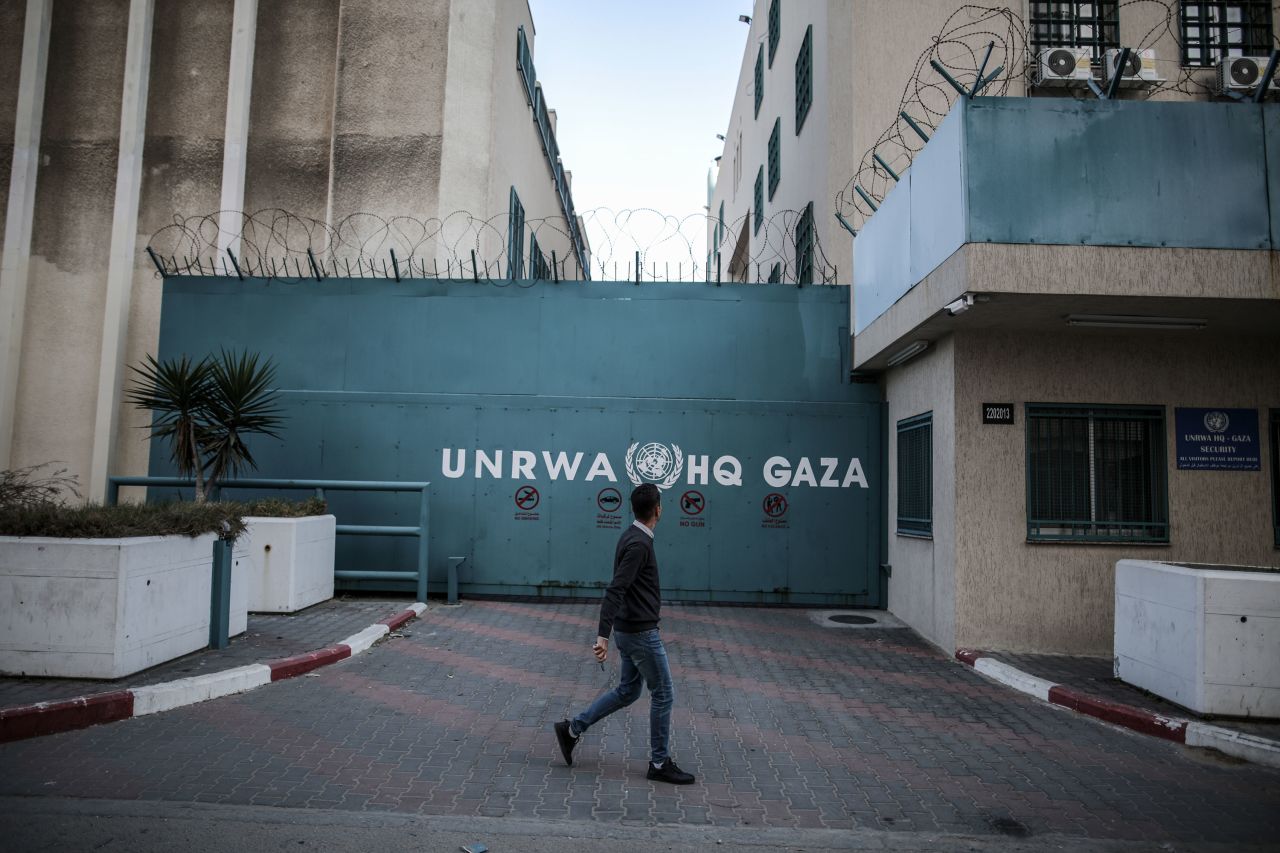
x,y
632,602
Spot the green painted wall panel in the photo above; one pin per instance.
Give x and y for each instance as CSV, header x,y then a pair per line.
x,y
379,380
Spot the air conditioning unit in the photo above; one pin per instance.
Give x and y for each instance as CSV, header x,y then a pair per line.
x,y
1140,69
1240,74
1062,66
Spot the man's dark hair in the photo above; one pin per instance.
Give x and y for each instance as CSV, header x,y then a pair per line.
x,y
645,500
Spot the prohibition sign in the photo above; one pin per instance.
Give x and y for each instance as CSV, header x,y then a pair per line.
x,y
609,500
527,498
692,503
775,505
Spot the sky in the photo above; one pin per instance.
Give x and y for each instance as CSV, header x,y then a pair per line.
x,y
640,91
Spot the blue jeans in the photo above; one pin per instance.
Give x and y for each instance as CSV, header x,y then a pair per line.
x,y
643,657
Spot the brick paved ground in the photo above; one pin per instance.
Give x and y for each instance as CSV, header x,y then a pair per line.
x,y
268,636
787,724
1094,676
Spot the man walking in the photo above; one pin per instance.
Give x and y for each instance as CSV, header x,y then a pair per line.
x,y
630,612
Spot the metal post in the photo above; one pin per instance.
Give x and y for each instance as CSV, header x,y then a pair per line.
x,y
395,265
424,537
955,84
455,563
912,123
885,166
1267,76
865,197
113,492
637,267
1113,87
220,595
311,259
155,259
982,69
236,264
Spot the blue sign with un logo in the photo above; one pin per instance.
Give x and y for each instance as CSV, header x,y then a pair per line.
x,y
1218,439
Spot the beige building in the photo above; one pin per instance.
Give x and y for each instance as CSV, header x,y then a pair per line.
x,y
1147,307
126,113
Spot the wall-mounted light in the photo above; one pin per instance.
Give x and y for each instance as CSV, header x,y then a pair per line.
x,y
746,19
961,305
907,353
720,136
1135,321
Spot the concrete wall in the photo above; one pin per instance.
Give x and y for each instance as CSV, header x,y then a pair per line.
x,y
922,588
291,108
805,159
13,15
347,114
1060,597
71,233
388,116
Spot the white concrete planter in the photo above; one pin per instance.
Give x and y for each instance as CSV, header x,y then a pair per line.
x,y
1207,638
106,608
290,562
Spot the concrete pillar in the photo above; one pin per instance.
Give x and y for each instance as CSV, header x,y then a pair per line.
x,y
16,262
244,31
124,239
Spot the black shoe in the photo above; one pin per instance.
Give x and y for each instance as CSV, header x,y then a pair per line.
x,y
669,772
566,740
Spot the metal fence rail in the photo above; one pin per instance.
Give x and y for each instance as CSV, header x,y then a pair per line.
x,y
319,487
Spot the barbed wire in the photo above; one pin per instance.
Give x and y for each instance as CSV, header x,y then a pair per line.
x,y
636,244
960,48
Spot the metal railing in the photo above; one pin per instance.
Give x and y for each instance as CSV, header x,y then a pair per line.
x,y
319,487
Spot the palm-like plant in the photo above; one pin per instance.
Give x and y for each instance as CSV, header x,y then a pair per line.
x,y
207,409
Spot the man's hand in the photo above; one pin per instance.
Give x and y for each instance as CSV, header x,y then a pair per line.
x,y
601,649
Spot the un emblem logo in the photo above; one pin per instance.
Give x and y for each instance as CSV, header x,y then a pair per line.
x,y
656,463
1216,421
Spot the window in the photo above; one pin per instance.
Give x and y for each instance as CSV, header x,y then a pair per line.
x,y
1095,25
720,227
915,476
1096,474
759,201
775,157
524,62
539,268
804,246
515,238
1211,31
1275,474
775,28
804,79
759,80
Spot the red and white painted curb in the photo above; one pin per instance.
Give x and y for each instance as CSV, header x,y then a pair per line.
x,y
1190,732
45,718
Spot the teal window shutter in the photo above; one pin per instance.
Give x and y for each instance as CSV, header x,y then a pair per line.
x,y
759,201
515,237
804,79
759,80
804,246
775,28
524,62
1096,474
915,476
775,157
